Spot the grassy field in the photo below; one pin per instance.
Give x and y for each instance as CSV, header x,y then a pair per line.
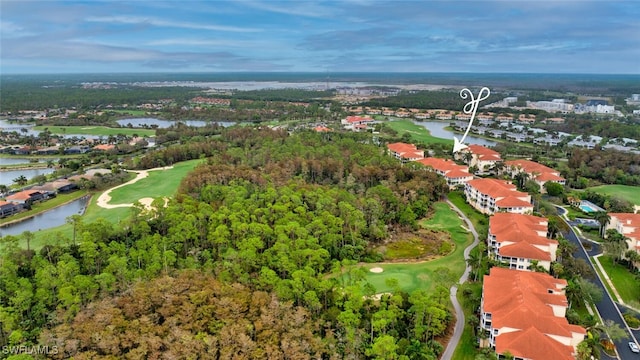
x,y
158,184
420,275
95,130
130,112
417,132
630,193
479,221
624,281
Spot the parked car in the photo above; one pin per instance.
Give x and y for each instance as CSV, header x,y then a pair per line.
x,y
634,347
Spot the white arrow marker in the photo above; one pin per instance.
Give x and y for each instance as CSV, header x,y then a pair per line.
x,y
470,108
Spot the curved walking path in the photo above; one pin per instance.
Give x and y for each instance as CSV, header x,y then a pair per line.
x,y
453,292
105,197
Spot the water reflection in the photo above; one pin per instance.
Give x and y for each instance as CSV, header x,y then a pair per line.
x,y
142,122
437,129
48,219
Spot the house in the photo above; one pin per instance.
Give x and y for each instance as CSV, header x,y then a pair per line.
x,y
357,123
481,157
453,173
104,147
490,196
77,150
57,187
627,224
405,152
539,173
26,197
321,128
523,313
519,240
8,208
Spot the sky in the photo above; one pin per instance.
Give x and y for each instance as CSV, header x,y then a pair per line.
x,y
541,36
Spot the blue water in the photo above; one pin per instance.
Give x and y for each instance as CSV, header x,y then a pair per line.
x,y
48,219
586,208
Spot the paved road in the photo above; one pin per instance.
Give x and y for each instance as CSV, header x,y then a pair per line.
x,y
460,320
606,307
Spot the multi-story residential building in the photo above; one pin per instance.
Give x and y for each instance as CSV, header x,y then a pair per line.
x,y
454,174
357,123
481,157
627,224
523,313
519,241
537,172
490,196
405,152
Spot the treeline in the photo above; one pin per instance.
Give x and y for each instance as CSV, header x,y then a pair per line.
x,y
605,166
606,129
282,94
18,96
449,100
278,221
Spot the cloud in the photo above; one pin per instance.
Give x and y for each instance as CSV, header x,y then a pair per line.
x,y
140,20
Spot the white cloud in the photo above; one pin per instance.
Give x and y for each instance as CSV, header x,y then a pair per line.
x,y
139,20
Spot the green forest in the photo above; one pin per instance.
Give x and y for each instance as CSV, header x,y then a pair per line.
x,y
255,257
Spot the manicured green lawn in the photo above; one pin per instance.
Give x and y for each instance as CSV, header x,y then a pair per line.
x,y
624,281
130,112
158,184
479,221
630,193
417,132
413,276
95,130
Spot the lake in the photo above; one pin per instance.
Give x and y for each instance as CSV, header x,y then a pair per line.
x,y
437,129
48,219
23,160
142,122
6,177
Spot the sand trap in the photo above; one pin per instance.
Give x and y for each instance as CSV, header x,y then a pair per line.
x,y
105,198
636,209
377,297
376,270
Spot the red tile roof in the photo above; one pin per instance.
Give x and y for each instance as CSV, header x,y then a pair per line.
x,y
523,300
406,151
484,153
543,173
496,188
532,344
358,119
22,195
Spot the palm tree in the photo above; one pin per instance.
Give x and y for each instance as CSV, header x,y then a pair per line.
x,y
467,156
603,218
20,180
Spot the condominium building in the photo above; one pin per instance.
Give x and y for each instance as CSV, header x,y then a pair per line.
x,y
520,240
405,152
627,224
523,313
490,196
454,174
537,172
481,157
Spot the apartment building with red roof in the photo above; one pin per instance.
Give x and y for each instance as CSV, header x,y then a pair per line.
x,y
519,240
454,174
481,157
524,313
627,224
357,123
537,172
405,152
490,196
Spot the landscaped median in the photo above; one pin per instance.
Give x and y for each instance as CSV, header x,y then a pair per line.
x,y
625,284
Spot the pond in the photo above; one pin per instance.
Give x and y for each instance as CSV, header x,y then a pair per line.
x,y
48,219
24,160
142,122
6,177
437,129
